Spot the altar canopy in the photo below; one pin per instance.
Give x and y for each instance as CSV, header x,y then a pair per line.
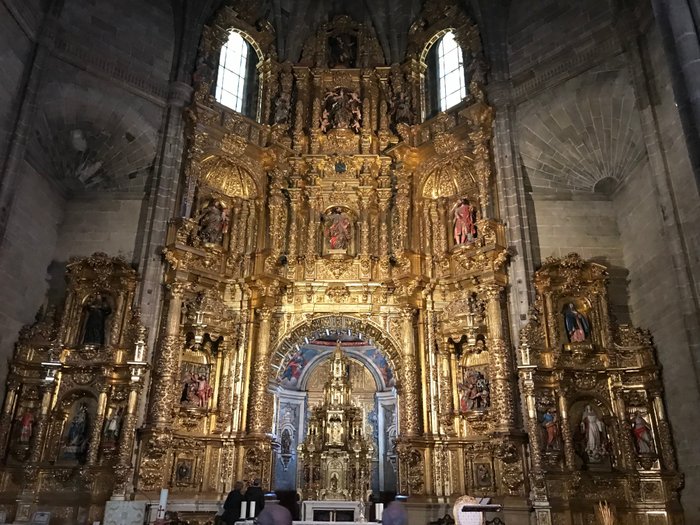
x,y
335,458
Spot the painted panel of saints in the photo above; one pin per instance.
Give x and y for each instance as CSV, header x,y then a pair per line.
x,y
196,390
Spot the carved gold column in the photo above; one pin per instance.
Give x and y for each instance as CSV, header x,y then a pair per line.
x,y
502,384
665,439
403,205
266,73
538,485
411,411
432,407
96,434
260,412
295,202
278,216
245,331
37,443
447,386
123,471
8,410
626,445
567,438
440,226
236,227
165,363
312,193
366,195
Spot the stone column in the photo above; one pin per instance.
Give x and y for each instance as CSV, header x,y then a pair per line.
x,y
677,22
502,380
165,363
260,411
409,392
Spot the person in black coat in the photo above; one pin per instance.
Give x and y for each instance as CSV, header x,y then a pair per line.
x,y
255,493
232,505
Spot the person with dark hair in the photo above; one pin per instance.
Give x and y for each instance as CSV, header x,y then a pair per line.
x,y
275,515
395,514
255,494
232,505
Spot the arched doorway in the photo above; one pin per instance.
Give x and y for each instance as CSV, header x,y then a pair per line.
x,y
298,386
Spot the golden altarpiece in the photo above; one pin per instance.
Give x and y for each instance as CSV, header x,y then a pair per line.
x,y
343,212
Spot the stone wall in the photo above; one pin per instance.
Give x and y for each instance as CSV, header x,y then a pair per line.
x,y
26,255
587,225
659,222
93,223
15,51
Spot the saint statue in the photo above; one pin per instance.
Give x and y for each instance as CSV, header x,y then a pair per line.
x,y
26,425
593,434
337,229
97,312
213,222
642,434
77,437
551,429
577,327
113,425
464,222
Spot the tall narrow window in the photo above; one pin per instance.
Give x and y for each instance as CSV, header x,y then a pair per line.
x,y
233,73
451,83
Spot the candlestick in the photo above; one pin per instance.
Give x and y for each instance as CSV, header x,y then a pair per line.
x,y
244,506
163,503
252,509
378,511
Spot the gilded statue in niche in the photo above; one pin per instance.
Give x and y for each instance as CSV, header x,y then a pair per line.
x,y
475,393
112,428
337,229
96,313
196,389
213,222
550,425
641,430
464,222
578,329
342,50
592,437
342,109
76,438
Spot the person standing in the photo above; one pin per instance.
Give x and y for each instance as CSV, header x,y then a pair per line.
x,y
255,494
232,505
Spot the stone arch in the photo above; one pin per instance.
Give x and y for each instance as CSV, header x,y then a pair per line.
x,y
298,335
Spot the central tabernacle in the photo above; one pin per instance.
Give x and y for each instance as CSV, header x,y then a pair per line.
x,y
335,458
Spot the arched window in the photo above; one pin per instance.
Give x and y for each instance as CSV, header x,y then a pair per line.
x,y
236,85
451,84
446,83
